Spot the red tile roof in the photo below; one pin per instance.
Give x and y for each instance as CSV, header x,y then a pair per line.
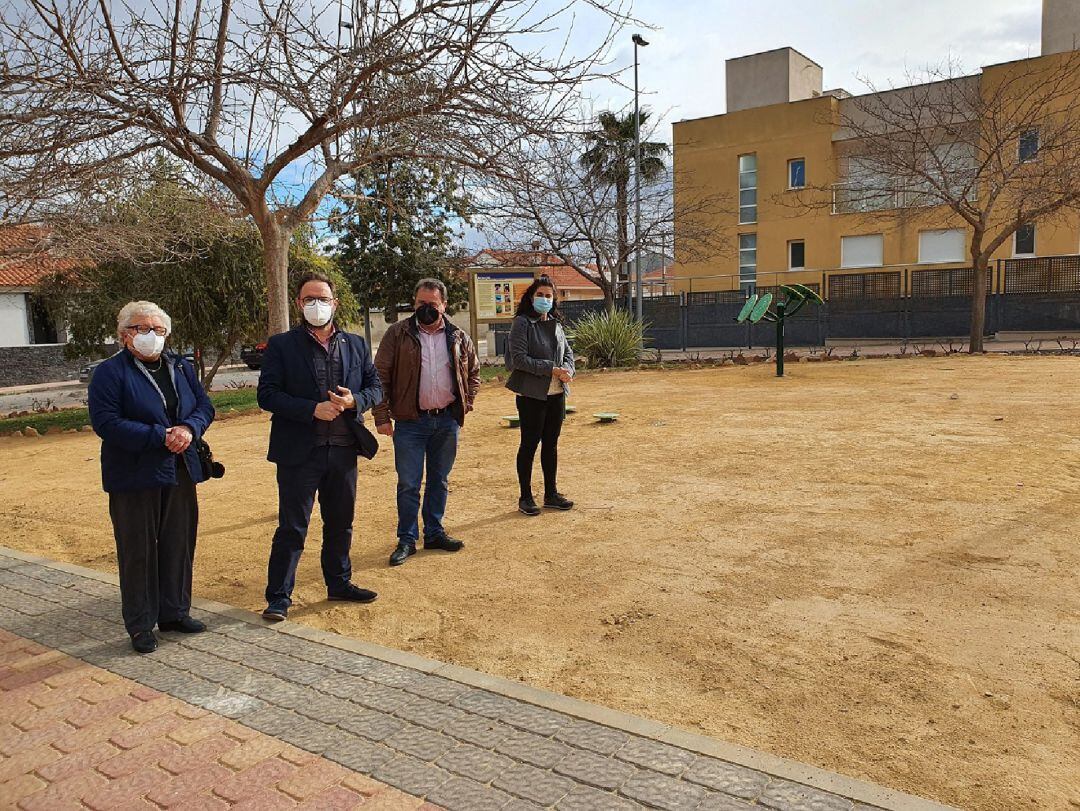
x,y
25,257
566,277
516,259
559,271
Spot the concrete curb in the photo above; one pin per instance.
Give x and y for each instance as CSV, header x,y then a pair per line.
x,y
857,790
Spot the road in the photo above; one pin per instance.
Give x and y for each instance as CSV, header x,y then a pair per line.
x,y
74,394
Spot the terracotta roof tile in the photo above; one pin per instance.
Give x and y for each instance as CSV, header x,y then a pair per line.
x,y
567,277
561,273
25,258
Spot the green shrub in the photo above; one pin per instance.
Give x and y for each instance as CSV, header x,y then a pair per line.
x,y
607,339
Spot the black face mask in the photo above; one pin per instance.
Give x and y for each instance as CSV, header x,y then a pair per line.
x,y
427,314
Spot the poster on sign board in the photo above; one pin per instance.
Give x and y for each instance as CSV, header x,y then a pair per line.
x,y
497,294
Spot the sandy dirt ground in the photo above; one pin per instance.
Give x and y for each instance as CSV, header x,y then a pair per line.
x,y
869,566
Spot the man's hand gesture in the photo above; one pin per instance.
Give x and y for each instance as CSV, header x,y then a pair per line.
x,y
343,397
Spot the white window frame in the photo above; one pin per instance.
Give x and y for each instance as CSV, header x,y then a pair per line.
x,y
753,188
741,249
878,264
933,260
1034,242
1020,146
794,242
789,163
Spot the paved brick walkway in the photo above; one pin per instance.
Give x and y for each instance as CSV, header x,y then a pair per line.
x,y
229,716
74,736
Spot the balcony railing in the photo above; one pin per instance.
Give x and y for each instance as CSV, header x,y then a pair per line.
x,y
860,197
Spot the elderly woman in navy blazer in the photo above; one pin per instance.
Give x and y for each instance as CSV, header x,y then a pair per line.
x,y
150,411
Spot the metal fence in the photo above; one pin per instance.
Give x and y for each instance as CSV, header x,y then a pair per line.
x,y
904,304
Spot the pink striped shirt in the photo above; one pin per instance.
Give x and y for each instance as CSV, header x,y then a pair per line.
x,y
436,382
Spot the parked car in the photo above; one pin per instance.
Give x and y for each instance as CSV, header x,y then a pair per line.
x,y
252,355
87,372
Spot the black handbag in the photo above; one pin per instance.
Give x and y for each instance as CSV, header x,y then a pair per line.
x,y
210,468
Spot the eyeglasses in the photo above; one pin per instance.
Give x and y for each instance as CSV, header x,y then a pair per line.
x,y
306,300
143,329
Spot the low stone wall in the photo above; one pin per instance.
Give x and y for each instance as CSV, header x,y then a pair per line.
x,y
44,363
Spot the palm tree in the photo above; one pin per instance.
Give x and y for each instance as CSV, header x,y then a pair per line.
x,y
610,158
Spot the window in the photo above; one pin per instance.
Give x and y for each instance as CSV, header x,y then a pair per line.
x,y
942,246
862,251
1029,145
747,258
796,255
863,187
796,172
747,189
1024,240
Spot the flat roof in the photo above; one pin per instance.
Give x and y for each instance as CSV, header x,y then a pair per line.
x,y
772,51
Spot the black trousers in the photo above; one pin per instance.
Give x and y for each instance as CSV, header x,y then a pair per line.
x,y
330,471
541,424
155,548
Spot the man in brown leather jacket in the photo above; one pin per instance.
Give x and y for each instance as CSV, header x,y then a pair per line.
x,y
430,375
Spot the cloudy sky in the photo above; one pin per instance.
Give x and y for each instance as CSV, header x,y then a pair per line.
x,y
682,70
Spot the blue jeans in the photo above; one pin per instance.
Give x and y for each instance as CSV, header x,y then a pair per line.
x,y
433,439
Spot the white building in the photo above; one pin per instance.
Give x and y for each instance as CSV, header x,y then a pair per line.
x,y
25,261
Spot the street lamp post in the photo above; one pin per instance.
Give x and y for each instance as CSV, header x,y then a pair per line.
x,y
639,41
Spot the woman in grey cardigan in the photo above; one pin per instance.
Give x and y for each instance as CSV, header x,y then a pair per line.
x,y
541,365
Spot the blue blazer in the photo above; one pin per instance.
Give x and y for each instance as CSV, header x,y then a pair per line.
x,y
127,412
289,390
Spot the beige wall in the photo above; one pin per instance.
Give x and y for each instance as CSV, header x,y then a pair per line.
x,y
1060,26
773,77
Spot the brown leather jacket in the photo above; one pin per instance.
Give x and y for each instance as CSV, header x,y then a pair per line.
x,y
398,364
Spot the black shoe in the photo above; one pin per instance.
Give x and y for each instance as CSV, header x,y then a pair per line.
x,y
443,542
144,642
353,594
528,506
401,554
185,625
275,612
557,501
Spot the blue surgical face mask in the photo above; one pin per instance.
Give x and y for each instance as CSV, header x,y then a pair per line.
x,y
542,305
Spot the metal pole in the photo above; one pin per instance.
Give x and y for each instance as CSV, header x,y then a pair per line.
x,y
780,308
637,188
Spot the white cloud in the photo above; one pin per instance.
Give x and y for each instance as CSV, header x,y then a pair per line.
x,y
682,70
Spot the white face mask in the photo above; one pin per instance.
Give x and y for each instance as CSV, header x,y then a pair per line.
x,y
149,345
318,313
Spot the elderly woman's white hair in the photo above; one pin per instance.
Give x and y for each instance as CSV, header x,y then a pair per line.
x,y
135,309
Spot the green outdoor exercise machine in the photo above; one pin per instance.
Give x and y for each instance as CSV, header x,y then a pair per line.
x,y
796,296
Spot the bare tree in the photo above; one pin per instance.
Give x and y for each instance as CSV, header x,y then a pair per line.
x,y
995,152
577,214
266,101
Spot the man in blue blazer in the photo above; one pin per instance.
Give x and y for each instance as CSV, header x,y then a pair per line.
x,y
317,381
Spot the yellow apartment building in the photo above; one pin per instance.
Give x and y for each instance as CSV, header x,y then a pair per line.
x,y
780,136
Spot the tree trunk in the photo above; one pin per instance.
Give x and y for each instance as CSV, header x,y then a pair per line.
x,y
980,265
223,355
275,241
